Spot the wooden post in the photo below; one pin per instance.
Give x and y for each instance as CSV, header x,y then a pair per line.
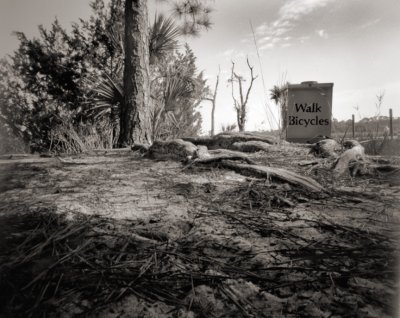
x,y
353,125
391,123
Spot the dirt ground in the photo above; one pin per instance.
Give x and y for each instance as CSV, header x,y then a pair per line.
x,y
113,234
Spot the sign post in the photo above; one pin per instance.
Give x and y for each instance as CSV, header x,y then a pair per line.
x,y
309,111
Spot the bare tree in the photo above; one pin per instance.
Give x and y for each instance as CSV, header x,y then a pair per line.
x,y
241,103
213,100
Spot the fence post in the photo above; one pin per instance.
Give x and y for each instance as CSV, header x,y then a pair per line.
x,y
391,123
353,125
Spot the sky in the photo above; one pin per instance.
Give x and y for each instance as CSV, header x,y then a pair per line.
x,y
354,44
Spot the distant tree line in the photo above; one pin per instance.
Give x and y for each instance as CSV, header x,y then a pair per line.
x,y
366,128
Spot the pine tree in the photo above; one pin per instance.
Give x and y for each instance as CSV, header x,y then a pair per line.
x,y
135,113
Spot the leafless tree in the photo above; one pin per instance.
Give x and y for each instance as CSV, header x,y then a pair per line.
x,y
213,100
240,103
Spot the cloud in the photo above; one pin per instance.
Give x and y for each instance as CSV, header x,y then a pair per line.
x,y
267,46
294,10
270,42
369,24
231,54
322,33
289,16
227,53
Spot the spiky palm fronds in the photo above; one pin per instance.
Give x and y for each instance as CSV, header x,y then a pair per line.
x,y
279,95
115,39
177,85
163,37
275,94
108,96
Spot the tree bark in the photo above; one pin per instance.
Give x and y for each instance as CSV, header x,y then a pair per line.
x,y
214,100
135,112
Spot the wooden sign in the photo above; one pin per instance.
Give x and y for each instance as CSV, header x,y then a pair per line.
x,y
309,111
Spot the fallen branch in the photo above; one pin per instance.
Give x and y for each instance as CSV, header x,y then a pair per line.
x,y
274,173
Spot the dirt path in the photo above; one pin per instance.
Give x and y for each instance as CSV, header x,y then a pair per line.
x,y
200,242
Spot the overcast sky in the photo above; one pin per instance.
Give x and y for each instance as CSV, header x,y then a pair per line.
x,y
353,43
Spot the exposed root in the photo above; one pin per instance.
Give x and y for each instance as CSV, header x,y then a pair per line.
x,y
352,160
251,146
172,149
275,173
226,140
327,148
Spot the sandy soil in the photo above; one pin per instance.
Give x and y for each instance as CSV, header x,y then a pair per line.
x,y
213,243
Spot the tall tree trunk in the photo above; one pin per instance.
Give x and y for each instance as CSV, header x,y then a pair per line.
x,y
135,111
214,101
241,124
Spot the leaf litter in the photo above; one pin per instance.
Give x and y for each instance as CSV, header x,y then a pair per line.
x,y
212,243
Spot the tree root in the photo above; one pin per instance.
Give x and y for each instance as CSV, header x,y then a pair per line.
x,y
274,173
222,154
327,148
176,149
227,139
251,146
352,160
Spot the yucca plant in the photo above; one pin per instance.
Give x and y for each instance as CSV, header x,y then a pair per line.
x,y
108,96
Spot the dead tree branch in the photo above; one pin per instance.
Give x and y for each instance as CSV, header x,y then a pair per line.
x,y
241,103
213,100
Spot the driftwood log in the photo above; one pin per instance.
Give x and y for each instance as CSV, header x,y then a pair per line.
x,y
227,139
